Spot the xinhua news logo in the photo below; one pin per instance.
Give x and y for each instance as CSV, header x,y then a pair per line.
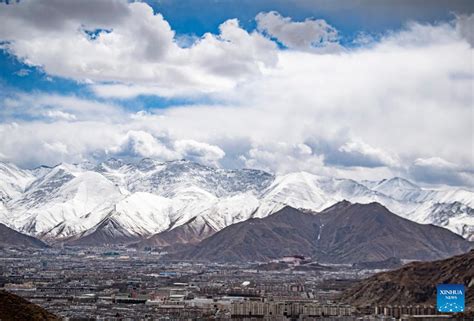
x,y
450,297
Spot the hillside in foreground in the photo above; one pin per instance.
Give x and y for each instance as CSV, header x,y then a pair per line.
x,y
13,307
415,283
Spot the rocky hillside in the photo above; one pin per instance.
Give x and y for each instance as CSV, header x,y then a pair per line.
x,y
415,283
344,233
12,238
13,307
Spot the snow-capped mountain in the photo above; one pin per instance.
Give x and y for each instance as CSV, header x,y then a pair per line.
x,y
115,200
13,181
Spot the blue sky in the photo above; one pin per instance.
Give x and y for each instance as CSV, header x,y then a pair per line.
x,y
189,18
335,88
348,17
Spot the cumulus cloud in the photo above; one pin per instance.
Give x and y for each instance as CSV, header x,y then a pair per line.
x,y
139,143
309,34
436,170
361,154
283,158
198,151
127,43
56,147
143,144
33,143
465,28
57,107
395,107
59,115
80,141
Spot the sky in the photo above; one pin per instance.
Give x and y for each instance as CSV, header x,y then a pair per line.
x,y
355,89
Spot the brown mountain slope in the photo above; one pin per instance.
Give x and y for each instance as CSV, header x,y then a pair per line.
x,y
194,231
12,238
286,232
13,307
370,232
344,233
414,283
107,232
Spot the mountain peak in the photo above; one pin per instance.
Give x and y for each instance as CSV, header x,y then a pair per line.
x,y
181,189
357,233
114,162
397,182
338,206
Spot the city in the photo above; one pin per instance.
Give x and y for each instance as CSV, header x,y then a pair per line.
x,y
122,283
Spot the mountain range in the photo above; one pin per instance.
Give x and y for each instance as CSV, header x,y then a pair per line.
x,y
343,233
182,201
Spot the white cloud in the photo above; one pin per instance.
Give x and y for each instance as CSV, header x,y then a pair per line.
x,y
23,72
60,115
198,151
57,107
143,144
139,143
465,28
56,147
369,112
309,34
37,142
436,170
368,154
126,91
283,158
130,45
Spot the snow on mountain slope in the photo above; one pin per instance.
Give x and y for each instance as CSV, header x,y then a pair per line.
x,y
148,197
451,208
164,178
454,195
297,190
63,198
13,181
4,214
40,171
43,188
406,191
399,189
311,192
230,210
146,214
191,232
455,216
143,213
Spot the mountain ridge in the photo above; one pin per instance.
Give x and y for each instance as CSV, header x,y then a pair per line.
x,y
62,203
345,233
